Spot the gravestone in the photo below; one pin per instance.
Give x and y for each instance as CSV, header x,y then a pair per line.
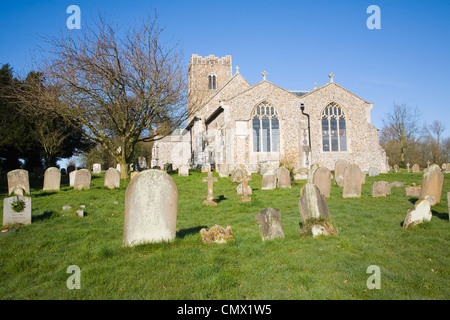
x,y
407,167
322,179
142,164
269,181
339,168
72,175
210,197
183,171
373,172
396,168
412,191
237,174
18,182
82,180
432,182
381,189
112,178
269,221
206,167
118,167
224,171
283,178
312,204
216,234
10,216
415,168
52,179
96,168
352,182
239,189
151,204
417,214
245,197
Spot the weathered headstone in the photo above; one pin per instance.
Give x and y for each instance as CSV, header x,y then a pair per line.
x,y
415,168
112,178
432,182
22,212
407,167
352,182
224,171
245,197
206,167
183,170
82,180
269,181
210,197
18,182
396,184
236,175
216,234
142,164
269,221
52,179
72,175
240,187
151,204
283,178
396,168
312,204
381,189
339,168
96,168
417,214
373,172
412,191
322,179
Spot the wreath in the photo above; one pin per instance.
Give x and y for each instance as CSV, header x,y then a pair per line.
x,y
18,205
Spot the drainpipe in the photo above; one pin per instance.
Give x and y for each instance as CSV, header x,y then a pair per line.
x,y
302,107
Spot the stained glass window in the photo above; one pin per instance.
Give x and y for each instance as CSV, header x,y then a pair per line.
x,y
334,133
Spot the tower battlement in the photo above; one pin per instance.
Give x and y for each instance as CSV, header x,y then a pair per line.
x,y
211,59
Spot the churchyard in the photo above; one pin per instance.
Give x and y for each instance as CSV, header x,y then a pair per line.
x,y
85,228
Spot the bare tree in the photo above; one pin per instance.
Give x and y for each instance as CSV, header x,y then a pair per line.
x,y
123,86
402,126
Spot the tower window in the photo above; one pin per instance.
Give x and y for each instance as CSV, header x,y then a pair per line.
x,y
212,81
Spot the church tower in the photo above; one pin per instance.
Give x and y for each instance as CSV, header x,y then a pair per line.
x,y
206,75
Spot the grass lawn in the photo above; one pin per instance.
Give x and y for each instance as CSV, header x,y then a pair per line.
x,y
414,263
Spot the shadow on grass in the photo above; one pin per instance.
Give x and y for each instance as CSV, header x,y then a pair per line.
x,y
44,194
185,232
46,215
220,198
443,216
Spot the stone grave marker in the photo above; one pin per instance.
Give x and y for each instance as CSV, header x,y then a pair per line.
x,y
210,197
112,178
352,182
283,178
18,182
269,222
432,182
142,164
82,180
206,167
322,179
217,234
21,214
339,168
312,204
237,174
269,180
381,189
373,172
415,168
183,171
96,168
151,204
412,191
417,214
407,167
245,197
72,175
118,167
396,168
52,179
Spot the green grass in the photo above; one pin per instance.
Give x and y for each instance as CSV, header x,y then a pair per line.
x,y
414,263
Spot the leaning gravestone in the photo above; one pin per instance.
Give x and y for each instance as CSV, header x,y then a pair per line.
x,y
52,179
417,214
82,180
415,168
339,168
97,168
312,204
151,204
269,221
283,178
72,175
352,182
16,209
112,178
381,189
432,182
322,179
18,182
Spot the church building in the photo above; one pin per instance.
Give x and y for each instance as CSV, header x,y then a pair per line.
x,y
254,125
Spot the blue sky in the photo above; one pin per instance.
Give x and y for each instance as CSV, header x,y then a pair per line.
x,y
297,42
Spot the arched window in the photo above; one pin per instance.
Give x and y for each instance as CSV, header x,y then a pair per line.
x,y
212,81
334,128
266,129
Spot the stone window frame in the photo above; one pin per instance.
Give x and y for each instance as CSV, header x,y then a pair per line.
x,y
212,81
273,113
338,113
